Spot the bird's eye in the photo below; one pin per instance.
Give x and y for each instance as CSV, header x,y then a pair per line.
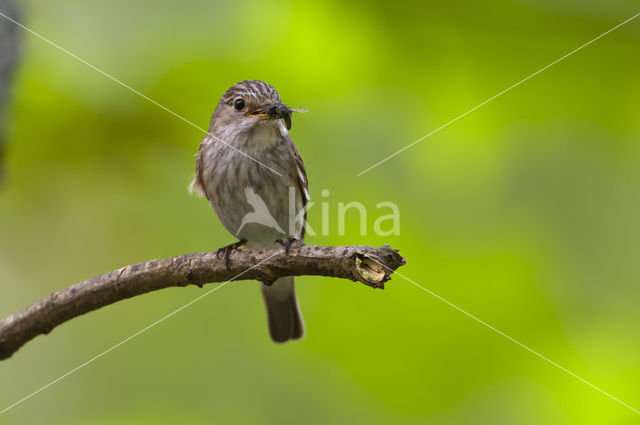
x,y
239,104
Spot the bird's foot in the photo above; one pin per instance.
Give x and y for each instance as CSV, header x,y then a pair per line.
x,y
226,251
287,245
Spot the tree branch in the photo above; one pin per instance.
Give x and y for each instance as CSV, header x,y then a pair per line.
x,y
357,263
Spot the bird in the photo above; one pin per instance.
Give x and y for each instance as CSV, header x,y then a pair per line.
x,y
250,171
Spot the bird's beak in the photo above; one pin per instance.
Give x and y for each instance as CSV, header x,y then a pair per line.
x,y
278,111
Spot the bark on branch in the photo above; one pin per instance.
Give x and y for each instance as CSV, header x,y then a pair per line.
x,y
357,263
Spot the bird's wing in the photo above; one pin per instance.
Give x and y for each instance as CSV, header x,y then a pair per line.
x,y
197,185
299,171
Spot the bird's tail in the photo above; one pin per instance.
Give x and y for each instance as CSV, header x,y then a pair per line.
x,y
283,314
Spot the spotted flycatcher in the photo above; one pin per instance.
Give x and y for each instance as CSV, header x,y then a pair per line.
x,y
253,176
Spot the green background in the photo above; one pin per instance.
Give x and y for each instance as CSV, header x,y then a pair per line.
x,y
524,213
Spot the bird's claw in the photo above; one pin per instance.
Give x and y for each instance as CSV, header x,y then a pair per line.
x,y
287,245
226,250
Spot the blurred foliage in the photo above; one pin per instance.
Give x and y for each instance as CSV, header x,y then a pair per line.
x,y
9,54
524,213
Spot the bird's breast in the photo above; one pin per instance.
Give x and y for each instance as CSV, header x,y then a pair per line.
x,y
247,195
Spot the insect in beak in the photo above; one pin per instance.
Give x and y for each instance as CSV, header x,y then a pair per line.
x,y
278,111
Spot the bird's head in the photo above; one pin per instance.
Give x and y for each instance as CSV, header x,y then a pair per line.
x,y
250,105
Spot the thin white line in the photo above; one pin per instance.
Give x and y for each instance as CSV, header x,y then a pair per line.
x,y
511,339
133,336
499,94
95,68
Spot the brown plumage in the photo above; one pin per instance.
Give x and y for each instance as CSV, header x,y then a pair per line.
x,y
238,171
